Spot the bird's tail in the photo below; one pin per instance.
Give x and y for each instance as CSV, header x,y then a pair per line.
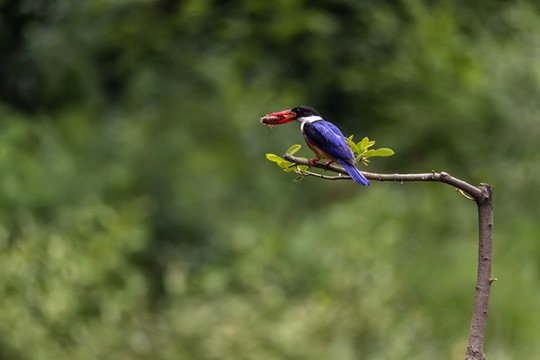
x,y
355,173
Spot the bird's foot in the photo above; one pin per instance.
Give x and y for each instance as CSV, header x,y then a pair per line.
x,y
314,161
327,163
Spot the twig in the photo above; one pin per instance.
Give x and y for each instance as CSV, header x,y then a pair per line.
x,y
473,191
482,195
321,176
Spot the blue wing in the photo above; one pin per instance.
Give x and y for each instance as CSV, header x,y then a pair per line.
x,y
329,138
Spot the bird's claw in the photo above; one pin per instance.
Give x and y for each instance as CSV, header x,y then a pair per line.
x,y
327,163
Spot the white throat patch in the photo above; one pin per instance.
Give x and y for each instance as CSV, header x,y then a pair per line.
x,y
309,119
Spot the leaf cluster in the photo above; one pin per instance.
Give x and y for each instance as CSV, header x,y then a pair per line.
x,y
288,166
361,151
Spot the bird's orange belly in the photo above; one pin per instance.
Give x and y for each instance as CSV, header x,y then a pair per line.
x,y
321,154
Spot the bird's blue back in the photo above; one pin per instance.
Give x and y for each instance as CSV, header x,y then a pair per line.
x,y
329,138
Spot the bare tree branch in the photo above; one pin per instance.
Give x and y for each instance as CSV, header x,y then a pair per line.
x,y
483,277
483,197
444,177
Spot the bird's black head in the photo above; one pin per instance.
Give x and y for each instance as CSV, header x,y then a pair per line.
x,y
305,111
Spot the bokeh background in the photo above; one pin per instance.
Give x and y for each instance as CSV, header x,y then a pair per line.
x,y
139,218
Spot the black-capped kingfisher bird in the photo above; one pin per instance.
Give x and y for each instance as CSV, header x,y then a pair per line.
x,y
323,137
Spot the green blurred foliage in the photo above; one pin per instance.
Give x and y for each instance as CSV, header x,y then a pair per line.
x,y
140,219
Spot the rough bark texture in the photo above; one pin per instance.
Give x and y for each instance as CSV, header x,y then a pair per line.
x,y
483,278
483,197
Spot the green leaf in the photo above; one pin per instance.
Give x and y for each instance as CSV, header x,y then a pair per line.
x,y
284,164
352,144
378,152
368,153
287,166
293,149
363,145
273,158
383,152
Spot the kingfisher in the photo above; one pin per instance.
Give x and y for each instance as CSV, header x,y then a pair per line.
x,y
322,137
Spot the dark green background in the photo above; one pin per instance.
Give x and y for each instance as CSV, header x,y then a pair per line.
x,y
139,217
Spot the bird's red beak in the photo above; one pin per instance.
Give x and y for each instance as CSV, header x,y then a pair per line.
x,y
277,118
